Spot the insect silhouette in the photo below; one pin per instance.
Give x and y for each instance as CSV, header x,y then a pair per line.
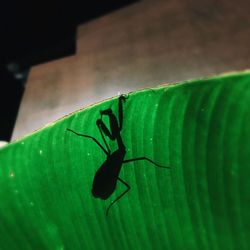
x,y
107,176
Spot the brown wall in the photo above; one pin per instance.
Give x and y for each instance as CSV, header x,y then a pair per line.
x,y
142,45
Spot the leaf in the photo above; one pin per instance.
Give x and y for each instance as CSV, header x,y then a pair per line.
x,y
199,128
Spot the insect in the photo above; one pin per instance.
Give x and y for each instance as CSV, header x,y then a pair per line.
x,y
107,176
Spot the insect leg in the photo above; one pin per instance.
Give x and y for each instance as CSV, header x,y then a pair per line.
x,y
122,98
103,129
120,196
91,137
145,158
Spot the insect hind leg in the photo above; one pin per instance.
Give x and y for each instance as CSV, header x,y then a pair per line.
x,y
120,196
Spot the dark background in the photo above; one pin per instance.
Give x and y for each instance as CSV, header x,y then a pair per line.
x,y
37,32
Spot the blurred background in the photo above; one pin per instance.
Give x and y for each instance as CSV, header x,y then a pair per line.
x,y
60,56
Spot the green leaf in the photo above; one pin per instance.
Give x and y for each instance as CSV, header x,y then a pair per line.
x,y
200,129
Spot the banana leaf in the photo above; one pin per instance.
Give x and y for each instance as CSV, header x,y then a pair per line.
x,y
177,157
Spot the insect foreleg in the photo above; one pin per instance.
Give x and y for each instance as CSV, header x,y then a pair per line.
x,y
103,129
145,158
122,98
120,196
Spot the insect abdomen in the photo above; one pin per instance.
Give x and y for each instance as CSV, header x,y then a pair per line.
x,y
105,179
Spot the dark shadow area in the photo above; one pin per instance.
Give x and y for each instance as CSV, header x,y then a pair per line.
x,y
10,96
